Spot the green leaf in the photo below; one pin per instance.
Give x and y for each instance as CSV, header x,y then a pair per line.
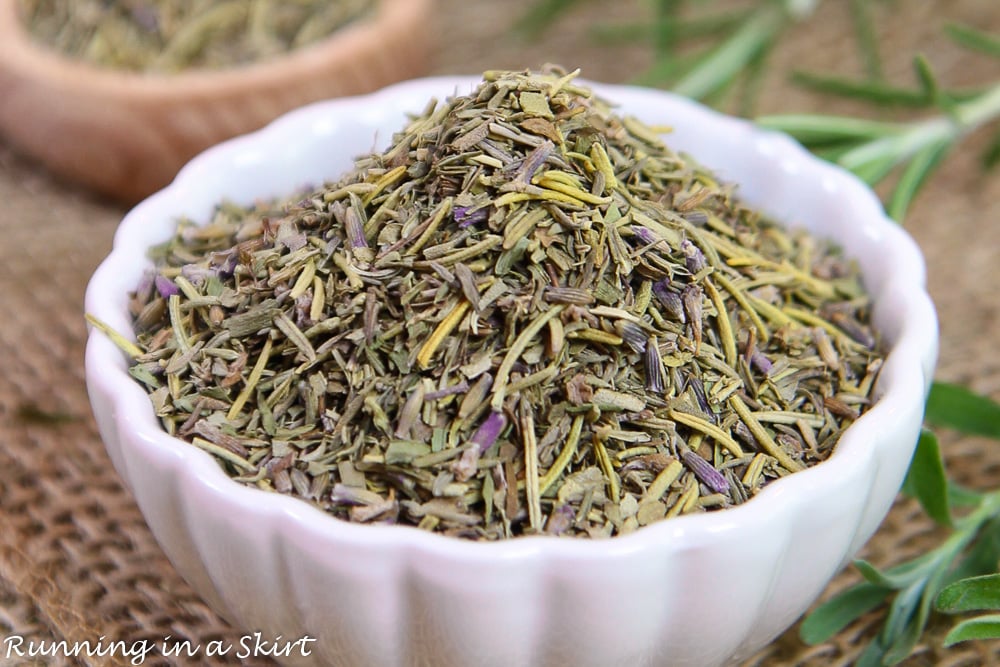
x,y
927,481
914,177
974,39
926,77
972,594
870,91
959,496
981,627
870,171
906,639
899,577
982,557
840,611
726,61
901,614
959,408
812,129
872,655
831,153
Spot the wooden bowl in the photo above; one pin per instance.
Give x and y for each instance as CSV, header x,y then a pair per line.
x,y
126,134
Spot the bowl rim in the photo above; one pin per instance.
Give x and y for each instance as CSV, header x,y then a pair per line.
x,y
904,378
26,56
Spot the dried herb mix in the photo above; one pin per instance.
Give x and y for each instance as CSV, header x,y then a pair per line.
x,y
172,35
527,316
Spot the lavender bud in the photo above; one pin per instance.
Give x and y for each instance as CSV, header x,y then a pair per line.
x,y
694,260
670,299
705,472
654,367
760,362
224,264
632,334
165,286
196,274
469,215
355,230
535,159
489,431
742,431
644,234
698,389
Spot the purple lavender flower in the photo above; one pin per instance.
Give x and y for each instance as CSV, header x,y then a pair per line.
x,y
705,472
355,230
632,334
698,389
165,286
644,234
670,299
694,259
489,431
654,367
762,363
533,162
224,264
470,215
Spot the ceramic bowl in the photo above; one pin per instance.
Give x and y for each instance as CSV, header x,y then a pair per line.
x,y
698,590
126,134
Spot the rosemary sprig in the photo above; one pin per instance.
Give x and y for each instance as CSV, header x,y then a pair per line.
x,y
872,150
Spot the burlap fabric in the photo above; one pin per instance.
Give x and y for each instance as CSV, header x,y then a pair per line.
x,y
76,560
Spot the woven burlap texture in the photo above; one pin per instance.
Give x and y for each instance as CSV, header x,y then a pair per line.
x,y
76,559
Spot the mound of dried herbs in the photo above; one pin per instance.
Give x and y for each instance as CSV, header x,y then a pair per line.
x,y
527,316
172,35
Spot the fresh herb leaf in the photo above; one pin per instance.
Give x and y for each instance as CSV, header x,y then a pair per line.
x,y
816,129
974,39
957,407
840,611
926,479
914,176
972,594
981,627
872,656
869,91
982,557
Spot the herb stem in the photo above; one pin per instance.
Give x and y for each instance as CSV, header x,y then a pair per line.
x,y
979,110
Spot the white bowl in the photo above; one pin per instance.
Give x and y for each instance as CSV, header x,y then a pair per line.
x,y
696,590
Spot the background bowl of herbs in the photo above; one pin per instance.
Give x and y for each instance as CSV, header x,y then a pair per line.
x,y
576,505
118,96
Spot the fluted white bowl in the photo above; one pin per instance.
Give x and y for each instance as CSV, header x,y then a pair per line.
x,y
697,590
